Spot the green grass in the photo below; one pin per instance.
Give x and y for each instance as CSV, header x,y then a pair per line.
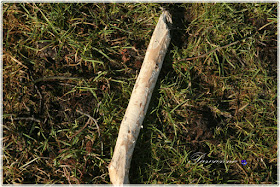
x,y
63,66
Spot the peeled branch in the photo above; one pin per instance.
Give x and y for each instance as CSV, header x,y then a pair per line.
x,y
139,101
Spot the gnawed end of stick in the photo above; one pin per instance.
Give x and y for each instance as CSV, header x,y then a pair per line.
x,y
167,18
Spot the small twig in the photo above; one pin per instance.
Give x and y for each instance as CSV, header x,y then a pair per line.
x,y
88,122
242,169
204,55
15,60
56,78
67,174
95,121
96,124
28,119
41,98
38,91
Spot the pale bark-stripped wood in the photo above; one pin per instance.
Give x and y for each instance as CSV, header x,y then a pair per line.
x,y
139,101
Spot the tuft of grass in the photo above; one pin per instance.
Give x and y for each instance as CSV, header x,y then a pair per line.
x,y
67,83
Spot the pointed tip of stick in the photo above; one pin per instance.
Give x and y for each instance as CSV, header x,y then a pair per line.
x,y
167,18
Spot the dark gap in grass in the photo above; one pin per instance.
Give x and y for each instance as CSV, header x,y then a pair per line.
x,y
179,25
178,35
202,123
269,56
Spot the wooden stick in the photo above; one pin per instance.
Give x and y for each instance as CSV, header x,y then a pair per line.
x,y
139,101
